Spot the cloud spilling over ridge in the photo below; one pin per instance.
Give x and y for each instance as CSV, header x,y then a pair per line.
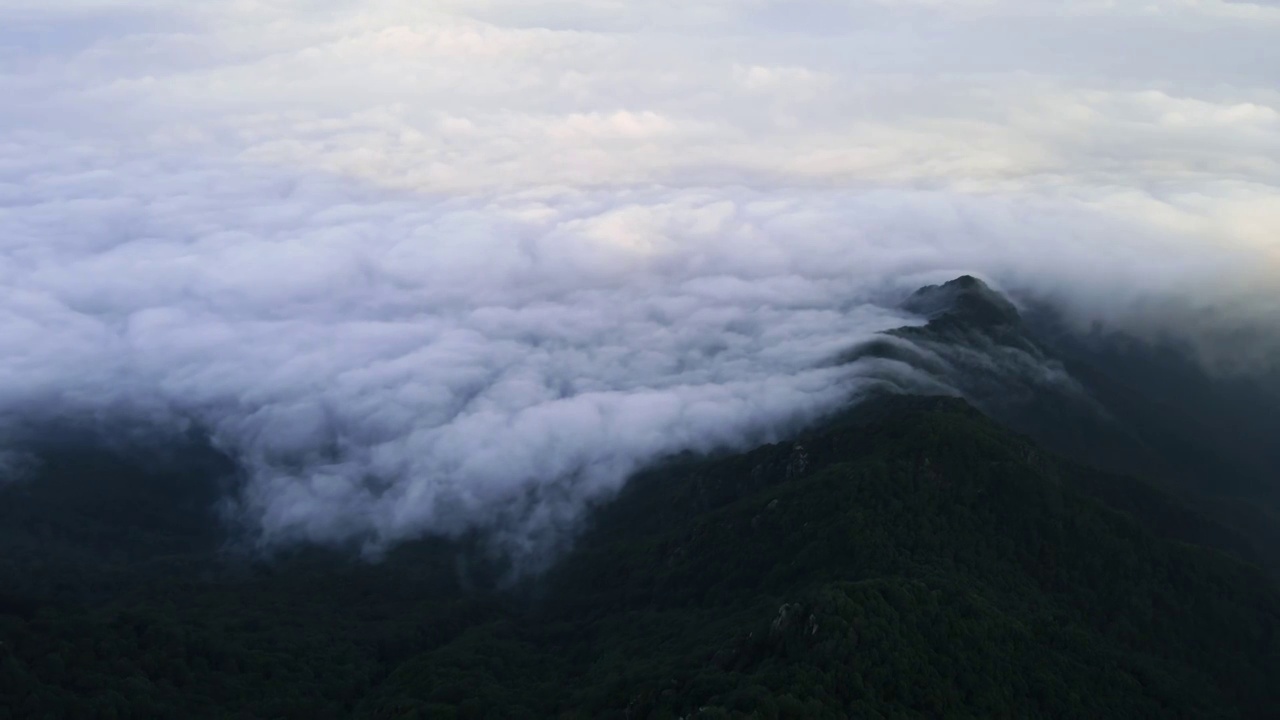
x,y
429,267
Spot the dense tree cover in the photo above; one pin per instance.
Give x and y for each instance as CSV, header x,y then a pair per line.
x,y
908,559
1151,407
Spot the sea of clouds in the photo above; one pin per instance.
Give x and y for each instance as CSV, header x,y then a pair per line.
x,y
433,267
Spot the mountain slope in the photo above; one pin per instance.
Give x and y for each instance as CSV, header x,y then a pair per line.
x,y
909,558
1111,401
926,563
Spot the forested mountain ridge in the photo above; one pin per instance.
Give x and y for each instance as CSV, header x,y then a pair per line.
x,y
1140,407
908,557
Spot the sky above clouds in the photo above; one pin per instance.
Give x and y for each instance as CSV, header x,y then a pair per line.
x,y
430,266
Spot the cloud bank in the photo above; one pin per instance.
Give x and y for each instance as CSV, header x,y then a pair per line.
x,y
424,268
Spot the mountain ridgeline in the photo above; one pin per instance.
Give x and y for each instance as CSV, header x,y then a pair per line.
x,y
1133,407
1067,537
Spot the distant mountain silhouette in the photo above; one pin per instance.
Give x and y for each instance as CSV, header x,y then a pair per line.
x,y
965,300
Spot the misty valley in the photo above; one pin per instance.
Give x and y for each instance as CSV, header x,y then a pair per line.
x,y
1008,517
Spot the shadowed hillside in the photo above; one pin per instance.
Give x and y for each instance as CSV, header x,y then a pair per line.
x,y
909,558
1112,401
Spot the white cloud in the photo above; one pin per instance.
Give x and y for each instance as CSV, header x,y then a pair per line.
x,y
431,266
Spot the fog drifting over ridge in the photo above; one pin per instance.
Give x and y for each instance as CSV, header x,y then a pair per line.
x,y
428,267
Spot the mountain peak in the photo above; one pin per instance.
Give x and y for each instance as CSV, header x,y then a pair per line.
x,y
965,298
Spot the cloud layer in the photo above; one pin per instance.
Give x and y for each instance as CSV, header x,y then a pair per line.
x,y
431,267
